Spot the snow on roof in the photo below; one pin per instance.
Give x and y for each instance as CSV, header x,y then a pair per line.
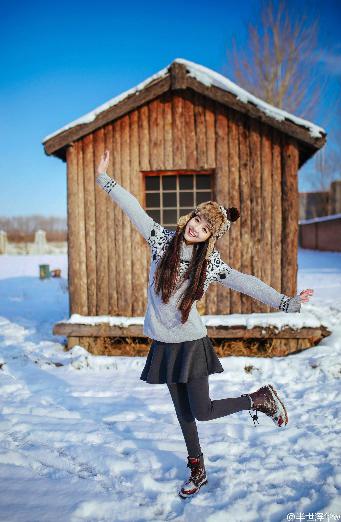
x,y
279,320
207,77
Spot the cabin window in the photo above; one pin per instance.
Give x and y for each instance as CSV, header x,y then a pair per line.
x,y
169,195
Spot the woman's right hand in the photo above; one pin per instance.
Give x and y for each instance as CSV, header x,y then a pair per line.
x,y
103,165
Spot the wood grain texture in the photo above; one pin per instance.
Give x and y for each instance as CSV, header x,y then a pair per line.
x,y
222,197
111,240
126,232
90,221
119,247
255,202
266,258
137,240
276,212
290,212
82,281
102,293
72,223
234,233
245,206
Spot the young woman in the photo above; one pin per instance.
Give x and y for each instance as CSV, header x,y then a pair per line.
x,y
183,264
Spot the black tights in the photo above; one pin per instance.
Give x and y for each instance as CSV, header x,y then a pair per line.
x,y
192,401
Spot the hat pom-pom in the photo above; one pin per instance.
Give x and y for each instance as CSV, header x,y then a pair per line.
x,y
232,213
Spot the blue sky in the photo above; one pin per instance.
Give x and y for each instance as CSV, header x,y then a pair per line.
x,y
63,59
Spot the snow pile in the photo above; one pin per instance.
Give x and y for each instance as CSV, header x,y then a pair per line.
x,y
207,77
83,439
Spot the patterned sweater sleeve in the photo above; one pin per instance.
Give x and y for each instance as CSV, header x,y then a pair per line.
x,y
130,205
252,286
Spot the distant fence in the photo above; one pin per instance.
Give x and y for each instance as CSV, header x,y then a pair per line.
x,y
38,246
323,233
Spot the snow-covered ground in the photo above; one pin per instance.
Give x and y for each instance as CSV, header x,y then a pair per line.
x,y
83,439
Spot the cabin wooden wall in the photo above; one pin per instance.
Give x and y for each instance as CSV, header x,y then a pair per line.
x,y
256,171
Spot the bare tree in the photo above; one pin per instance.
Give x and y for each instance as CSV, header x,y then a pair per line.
x,y
278,64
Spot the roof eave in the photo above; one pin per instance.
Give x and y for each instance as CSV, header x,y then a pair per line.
x,y
178,79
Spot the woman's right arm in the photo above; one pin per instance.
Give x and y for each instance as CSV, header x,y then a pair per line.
x,y
154,233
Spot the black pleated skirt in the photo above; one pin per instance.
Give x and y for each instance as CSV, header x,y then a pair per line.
x,y
180,362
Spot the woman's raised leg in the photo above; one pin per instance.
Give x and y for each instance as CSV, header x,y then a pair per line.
x,y
203,408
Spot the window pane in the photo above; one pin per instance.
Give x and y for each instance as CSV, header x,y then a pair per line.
x,y
169,199
203,196
203,181
152,199
186,181
184,211
152,182
186,199
154,214
169,182
169,216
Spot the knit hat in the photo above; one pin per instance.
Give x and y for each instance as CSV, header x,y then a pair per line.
x,y
218,217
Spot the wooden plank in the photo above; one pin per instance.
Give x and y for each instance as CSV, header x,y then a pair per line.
x,y
178,122
255,194
72,224
111,241
160,152
119,247
266,258
290,214
190,136
276,213
81,250
245,209
90,221
144,164
101,197
126,274
168,138
222,197
200,130
228,332
138,261
234,201
210,133
153,136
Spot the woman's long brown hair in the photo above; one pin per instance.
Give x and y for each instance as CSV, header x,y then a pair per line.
x,y
167,269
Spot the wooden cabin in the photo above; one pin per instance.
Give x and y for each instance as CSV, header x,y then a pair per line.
x,y
185,135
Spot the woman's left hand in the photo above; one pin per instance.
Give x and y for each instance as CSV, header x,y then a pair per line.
x,y
306,294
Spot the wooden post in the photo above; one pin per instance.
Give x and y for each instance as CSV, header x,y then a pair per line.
x,y
266,207
276,213
234,201
289,217
102,199
72,223
255,194
245,210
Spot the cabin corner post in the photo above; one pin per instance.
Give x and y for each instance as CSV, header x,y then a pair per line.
x,y
290,215
72,227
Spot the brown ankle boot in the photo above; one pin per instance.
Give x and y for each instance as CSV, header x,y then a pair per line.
x,y
197,478
266,400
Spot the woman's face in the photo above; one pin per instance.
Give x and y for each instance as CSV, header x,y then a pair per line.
x,y
200,229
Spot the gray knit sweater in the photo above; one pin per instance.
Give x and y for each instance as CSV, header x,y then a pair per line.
x,y
163,321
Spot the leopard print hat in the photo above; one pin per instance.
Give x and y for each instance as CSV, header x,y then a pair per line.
x,y
218,217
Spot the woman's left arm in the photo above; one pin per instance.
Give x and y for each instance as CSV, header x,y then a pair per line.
x,y
254,287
